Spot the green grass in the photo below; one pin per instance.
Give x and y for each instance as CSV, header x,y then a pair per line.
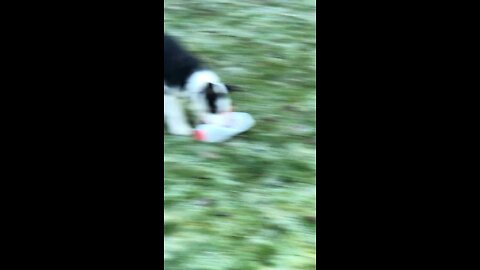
x,y
248,203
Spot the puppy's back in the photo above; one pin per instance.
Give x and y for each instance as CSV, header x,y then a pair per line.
x,y
178,64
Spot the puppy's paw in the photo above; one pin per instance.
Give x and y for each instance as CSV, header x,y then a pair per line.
x,y
181,130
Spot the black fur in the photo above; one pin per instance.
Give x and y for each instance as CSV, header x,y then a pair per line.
x,y
178,64
212,97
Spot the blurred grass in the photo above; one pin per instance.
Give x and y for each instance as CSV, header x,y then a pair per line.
x,y
248,203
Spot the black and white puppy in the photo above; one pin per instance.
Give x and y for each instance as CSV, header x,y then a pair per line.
x,y
186,79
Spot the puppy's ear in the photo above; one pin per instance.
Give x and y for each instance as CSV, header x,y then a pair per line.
x,y
233,88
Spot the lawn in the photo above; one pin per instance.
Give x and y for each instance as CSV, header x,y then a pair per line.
x,y
248,203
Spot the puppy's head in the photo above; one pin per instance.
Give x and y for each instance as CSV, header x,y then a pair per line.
x,y
208,94
216,98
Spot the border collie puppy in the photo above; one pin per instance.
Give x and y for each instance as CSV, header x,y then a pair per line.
x,y
186,79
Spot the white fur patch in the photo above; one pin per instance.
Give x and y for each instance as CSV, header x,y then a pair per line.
x,y
199,80
174,115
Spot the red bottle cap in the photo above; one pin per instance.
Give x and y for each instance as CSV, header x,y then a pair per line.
x,y
199,135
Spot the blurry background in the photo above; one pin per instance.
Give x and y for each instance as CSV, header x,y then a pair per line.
x,y
248,203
